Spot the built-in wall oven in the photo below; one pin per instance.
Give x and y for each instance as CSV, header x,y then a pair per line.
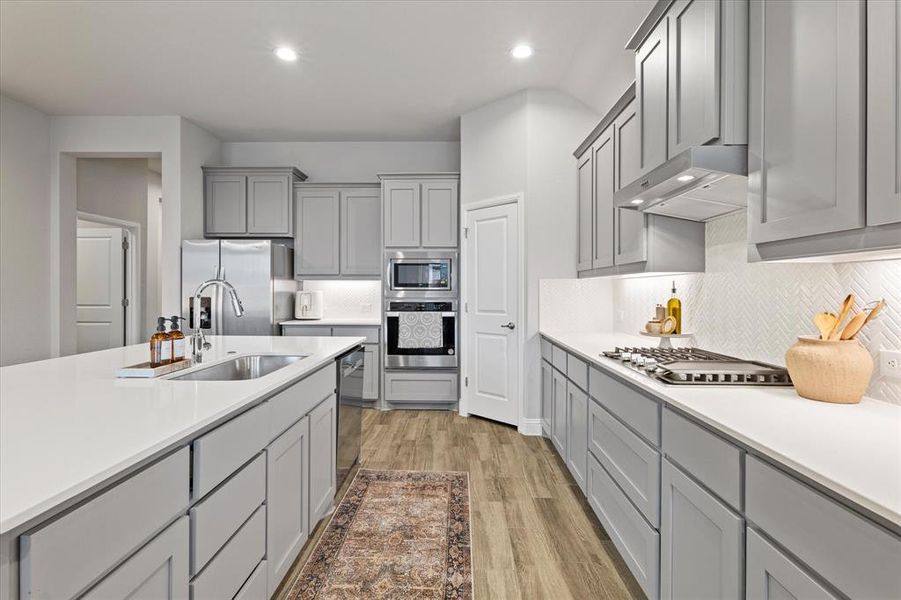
x,y
421,334
421,274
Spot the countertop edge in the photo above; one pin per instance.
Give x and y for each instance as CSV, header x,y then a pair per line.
x,y
50,507
878,512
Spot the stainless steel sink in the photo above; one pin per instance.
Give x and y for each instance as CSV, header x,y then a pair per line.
x,y
242,368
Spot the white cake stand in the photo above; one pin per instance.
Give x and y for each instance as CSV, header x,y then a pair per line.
x,y
666,337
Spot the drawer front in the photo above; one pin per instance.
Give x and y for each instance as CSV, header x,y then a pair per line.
x,y
59,559
547,352
636,541
218,516
290,405
255,586
770,572
226,573
307,330
849,551
420,387
710,459
632,462
638,411
558,358
370,333
577,371
220,452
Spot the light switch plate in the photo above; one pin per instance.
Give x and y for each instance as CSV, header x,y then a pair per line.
x,y
890,363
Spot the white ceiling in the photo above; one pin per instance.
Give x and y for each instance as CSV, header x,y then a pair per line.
x,y
367,70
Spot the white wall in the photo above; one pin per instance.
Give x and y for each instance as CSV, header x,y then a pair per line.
x,y
24,233
524,143
198,148
346,162
154,242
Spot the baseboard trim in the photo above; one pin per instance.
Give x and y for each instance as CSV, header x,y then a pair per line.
x,y
529,426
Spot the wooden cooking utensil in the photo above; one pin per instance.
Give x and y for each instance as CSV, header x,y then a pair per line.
x,y
854,326
834,335
824,321
879,306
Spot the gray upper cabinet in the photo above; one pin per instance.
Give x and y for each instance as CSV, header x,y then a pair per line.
x,y
628,146
420,210
267,211
604,167
806,140
439,213
630,236
402,214
361,241
701,541
651,91
883,112
585,212
318,225
694,78
225,204
338,230
249,201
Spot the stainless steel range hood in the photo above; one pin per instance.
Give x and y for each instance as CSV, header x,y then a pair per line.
x,y
699,184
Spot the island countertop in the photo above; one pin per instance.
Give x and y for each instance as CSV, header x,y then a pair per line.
x,y
68,425
853,450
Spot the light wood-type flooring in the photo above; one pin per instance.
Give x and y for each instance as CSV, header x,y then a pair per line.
x,y
533,534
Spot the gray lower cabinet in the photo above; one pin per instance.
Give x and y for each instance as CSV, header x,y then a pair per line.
x,y
317,252
807,118
576,432
287,499
371,370
701,541
547,398
159,570
249,201
421,387
771,575
323,437
420,210
558,433
361,241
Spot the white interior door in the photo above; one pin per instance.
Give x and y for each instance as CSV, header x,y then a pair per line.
x,y
492,293
100,289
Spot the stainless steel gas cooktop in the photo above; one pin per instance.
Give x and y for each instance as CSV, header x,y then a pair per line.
x,y
693,366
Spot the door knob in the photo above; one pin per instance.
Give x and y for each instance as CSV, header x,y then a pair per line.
x,y
509,326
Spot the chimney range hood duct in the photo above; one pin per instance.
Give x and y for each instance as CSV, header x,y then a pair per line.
x,y
699,184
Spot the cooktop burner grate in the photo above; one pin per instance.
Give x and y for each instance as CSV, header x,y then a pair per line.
x,y
693,366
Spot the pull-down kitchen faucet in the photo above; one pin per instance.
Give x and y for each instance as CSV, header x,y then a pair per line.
x,y
198,339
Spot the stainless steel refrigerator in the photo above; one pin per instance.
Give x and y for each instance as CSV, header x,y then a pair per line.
x,y
262,272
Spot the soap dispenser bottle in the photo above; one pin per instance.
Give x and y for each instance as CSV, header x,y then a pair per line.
x,y
178,339
160,345
674,310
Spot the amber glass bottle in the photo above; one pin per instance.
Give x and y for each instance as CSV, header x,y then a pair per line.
x,y
178,339
160,345
674,310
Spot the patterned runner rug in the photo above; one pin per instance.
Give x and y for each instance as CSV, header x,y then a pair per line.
x,y
396,534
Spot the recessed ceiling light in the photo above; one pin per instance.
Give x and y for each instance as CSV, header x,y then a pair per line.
x,y
286,54
685,178
521,51
638,201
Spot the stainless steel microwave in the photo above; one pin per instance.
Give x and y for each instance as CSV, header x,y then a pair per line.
x,y
421,274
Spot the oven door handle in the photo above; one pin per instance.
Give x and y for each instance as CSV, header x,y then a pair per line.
x,y
398,313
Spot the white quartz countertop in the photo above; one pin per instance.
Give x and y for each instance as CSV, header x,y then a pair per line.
x,y
329,321
67,425
854,450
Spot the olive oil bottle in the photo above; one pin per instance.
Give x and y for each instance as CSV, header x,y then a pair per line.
x,y
674,310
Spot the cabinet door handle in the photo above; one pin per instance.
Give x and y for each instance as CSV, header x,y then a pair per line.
x,y
509,326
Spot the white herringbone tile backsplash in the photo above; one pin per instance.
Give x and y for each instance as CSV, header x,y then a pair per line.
x,y
756,310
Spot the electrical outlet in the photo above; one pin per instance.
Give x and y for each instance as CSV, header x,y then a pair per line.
x,y
366,308
890,363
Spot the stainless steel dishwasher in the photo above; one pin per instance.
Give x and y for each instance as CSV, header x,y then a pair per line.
x,y
350,406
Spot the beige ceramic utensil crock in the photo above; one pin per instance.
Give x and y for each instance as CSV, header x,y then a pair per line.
x,y
831,371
